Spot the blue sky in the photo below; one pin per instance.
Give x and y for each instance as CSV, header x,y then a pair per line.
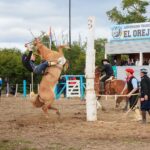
x,y
18,16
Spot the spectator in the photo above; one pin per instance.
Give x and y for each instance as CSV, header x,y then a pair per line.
x,y
62,82
149,62
137,62
132,62
145,93
12,90
145,62
0,86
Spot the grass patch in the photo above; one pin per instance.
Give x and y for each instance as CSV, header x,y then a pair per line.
x,y
59,146
15,145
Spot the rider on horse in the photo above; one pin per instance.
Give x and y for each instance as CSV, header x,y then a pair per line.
x,y
29,62
107,68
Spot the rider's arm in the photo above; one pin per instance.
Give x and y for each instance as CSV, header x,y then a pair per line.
x,y
30,52
29,56
135,86
125,87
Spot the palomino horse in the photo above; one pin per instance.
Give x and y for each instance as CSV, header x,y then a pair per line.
x,y
45,97
113,86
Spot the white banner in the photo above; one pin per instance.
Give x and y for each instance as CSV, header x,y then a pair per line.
x,y
131,31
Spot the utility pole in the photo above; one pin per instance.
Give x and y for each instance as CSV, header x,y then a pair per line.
x,y
70,23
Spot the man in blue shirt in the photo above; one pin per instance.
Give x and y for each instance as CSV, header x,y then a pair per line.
x,y
0,86
133,90
132,85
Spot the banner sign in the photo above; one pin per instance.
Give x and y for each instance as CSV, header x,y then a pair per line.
x,y
131,31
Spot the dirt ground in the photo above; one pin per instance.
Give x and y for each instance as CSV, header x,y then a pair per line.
x,y
23,127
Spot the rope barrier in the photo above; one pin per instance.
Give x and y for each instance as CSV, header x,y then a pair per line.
x,y
117,95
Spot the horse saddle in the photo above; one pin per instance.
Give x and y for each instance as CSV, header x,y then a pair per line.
x,y
110,78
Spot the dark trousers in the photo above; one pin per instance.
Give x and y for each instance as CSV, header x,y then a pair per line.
x,y
133,101
39,69
0,91
105,78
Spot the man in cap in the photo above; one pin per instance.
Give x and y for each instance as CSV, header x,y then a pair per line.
x,y
145,93
132,86
107,69
133,90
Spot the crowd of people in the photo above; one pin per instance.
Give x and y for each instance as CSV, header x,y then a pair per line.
x,y
130,62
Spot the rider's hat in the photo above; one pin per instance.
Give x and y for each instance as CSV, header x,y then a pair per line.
x,y
143,70
105,60
130,70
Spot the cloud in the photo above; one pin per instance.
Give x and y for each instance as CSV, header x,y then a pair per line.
x,y
18,16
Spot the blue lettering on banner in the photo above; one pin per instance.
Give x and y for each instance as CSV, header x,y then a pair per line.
x,y
131,31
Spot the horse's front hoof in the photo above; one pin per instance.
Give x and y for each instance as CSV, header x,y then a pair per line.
x,y
58,113
117,105
45,109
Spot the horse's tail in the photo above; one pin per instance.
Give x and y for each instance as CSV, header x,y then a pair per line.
x,y
37,102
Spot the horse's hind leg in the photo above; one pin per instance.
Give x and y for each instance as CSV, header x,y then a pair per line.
x,y
55,109
126,106
46,107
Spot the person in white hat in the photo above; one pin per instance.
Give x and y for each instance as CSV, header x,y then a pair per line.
x,y
145,93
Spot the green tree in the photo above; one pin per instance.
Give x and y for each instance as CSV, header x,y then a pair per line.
x,y
12,68
76,58
131,11
100,50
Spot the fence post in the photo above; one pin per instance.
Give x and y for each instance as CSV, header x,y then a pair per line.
x,y
24,88
16,90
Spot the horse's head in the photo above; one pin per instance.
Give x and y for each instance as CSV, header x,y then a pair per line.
x,y
97,72
37,44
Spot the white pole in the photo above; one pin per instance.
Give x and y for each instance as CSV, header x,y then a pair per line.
x,y
30,90
105,56
16,90
7,89
141,59
91,105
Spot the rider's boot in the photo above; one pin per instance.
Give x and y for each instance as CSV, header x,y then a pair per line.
x,y
102,87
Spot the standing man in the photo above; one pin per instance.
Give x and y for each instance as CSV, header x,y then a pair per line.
x,y
133,88
145,93
0,86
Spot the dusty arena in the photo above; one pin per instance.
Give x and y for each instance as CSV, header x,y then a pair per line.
x,y
23,127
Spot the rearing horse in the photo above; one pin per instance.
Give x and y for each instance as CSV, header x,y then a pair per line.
x,y
45,97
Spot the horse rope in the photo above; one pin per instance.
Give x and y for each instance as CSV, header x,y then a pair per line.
x,y
123,95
